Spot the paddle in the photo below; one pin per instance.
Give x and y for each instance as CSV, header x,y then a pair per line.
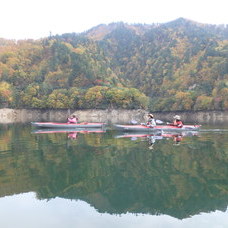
x,y
68,114
133,122
157,121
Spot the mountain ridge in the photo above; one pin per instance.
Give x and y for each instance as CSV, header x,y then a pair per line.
x,y
179,65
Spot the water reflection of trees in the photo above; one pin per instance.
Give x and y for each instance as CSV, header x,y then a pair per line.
x,y
117,175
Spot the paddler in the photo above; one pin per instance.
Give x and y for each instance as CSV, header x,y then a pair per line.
x,y
151,121
177,121
72,119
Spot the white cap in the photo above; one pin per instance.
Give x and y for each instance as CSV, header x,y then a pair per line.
x,y
177,117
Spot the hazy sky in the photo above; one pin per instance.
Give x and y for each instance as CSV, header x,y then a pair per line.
x,y
23,19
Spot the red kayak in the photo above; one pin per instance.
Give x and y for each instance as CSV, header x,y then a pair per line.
x,y
158,127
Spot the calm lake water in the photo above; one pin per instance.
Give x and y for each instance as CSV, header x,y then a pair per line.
x,y
109,179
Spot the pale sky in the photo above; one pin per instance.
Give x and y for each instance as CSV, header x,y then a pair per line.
x,y
24,19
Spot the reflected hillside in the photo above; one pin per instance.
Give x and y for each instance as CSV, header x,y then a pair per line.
x,y
117,175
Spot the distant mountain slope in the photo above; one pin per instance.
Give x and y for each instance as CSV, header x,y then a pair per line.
x,y
179,65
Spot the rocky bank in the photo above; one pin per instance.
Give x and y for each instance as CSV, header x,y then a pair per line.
x,y
109,116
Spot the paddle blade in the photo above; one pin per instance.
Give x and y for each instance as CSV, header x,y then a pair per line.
x,y
159,122
134,122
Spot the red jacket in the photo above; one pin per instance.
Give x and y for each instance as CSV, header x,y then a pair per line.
x,y
178,123
72,120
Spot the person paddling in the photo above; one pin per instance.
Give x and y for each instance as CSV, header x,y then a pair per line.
x,y
72,119
177,122
151,121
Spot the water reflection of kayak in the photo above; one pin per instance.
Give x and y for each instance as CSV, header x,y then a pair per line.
x,y
152,138
67,125
156,128
85,130
158,135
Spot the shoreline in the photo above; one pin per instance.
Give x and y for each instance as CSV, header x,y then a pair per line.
x,y
110,116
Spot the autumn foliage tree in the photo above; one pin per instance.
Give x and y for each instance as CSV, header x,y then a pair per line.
x,y
180,65
6,94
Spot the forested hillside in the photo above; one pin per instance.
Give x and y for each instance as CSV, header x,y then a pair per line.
x,y
180,65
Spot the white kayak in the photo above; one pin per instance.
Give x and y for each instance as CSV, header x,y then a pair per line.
x,y
67,130
67,125
156,128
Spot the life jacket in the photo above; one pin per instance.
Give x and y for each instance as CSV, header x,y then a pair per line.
x,y
179,123
72,120
151,122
